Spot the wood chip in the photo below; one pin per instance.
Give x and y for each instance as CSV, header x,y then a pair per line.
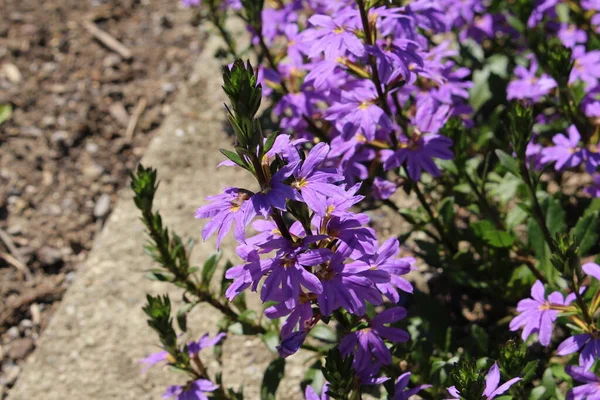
x,y
107,40
118,112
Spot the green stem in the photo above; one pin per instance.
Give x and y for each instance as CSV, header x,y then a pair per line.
x,y
216,20
580,302
538,213
271,60
436,222
370,39
483,201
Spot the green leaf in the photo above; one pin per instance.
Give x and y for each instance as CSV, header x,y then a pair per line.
x,y
498,238
324,333
494,237
5,112
509,162
270,141
182,317
585,232
209,268
530,370
480,337
314,376
555,215
224,281
271,340
480,92
273,375
234,157
515,217
446,211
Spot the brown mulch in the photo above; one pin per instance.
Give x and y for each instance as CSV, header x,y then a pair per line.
x,y
81,116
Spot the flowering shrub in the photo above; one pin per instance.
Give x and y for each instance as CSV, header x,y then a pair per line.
x,y
485,116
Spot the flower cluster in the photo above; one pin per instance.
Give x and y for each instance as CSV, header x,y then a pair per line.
x,y
538,315
367,81
560,64
326,259
369,96
200,385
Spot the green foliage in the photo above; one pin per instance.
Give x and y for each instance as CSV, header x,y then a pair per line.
x,y
339,373
468,379
271,379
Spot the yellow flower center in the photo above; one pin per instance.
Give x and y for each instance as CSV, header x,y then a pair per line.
x,y
300,184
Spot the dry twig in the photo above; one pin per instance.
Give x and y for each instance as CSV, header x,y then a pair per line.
x,y
107,40
135,116
17,264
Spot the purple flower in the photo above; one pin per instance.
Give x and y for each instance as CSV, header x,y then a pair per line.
x,y
194,390
355,239
590,389
339,205
204,342
492,380
288,271
567,153
232,205
529,85
291,343
355,110
333,36
594,189
430,116
345,286
367,344
310,394
385,269
153,359
585,341
276,193
533,152
542,8
402,383
536,314
245,274
418,154
190,3
314,184
570,35
586,66
383,189
301,315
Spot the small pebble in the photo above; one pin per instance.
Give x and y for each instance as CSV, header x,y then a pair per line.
x,y
13,332
102,206
91,147
36,315
10,373
19,348
26,323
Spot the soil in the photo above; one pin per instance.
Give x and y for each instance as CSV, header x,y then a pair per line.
x,y
64,151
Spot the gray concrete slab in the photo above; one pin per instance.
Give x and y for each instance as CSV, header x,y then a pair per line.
x,y
91,347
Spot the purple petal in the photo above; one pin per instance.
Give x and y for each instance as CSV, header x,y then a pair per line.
x,y
492,380
572,344
503,388
592,269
